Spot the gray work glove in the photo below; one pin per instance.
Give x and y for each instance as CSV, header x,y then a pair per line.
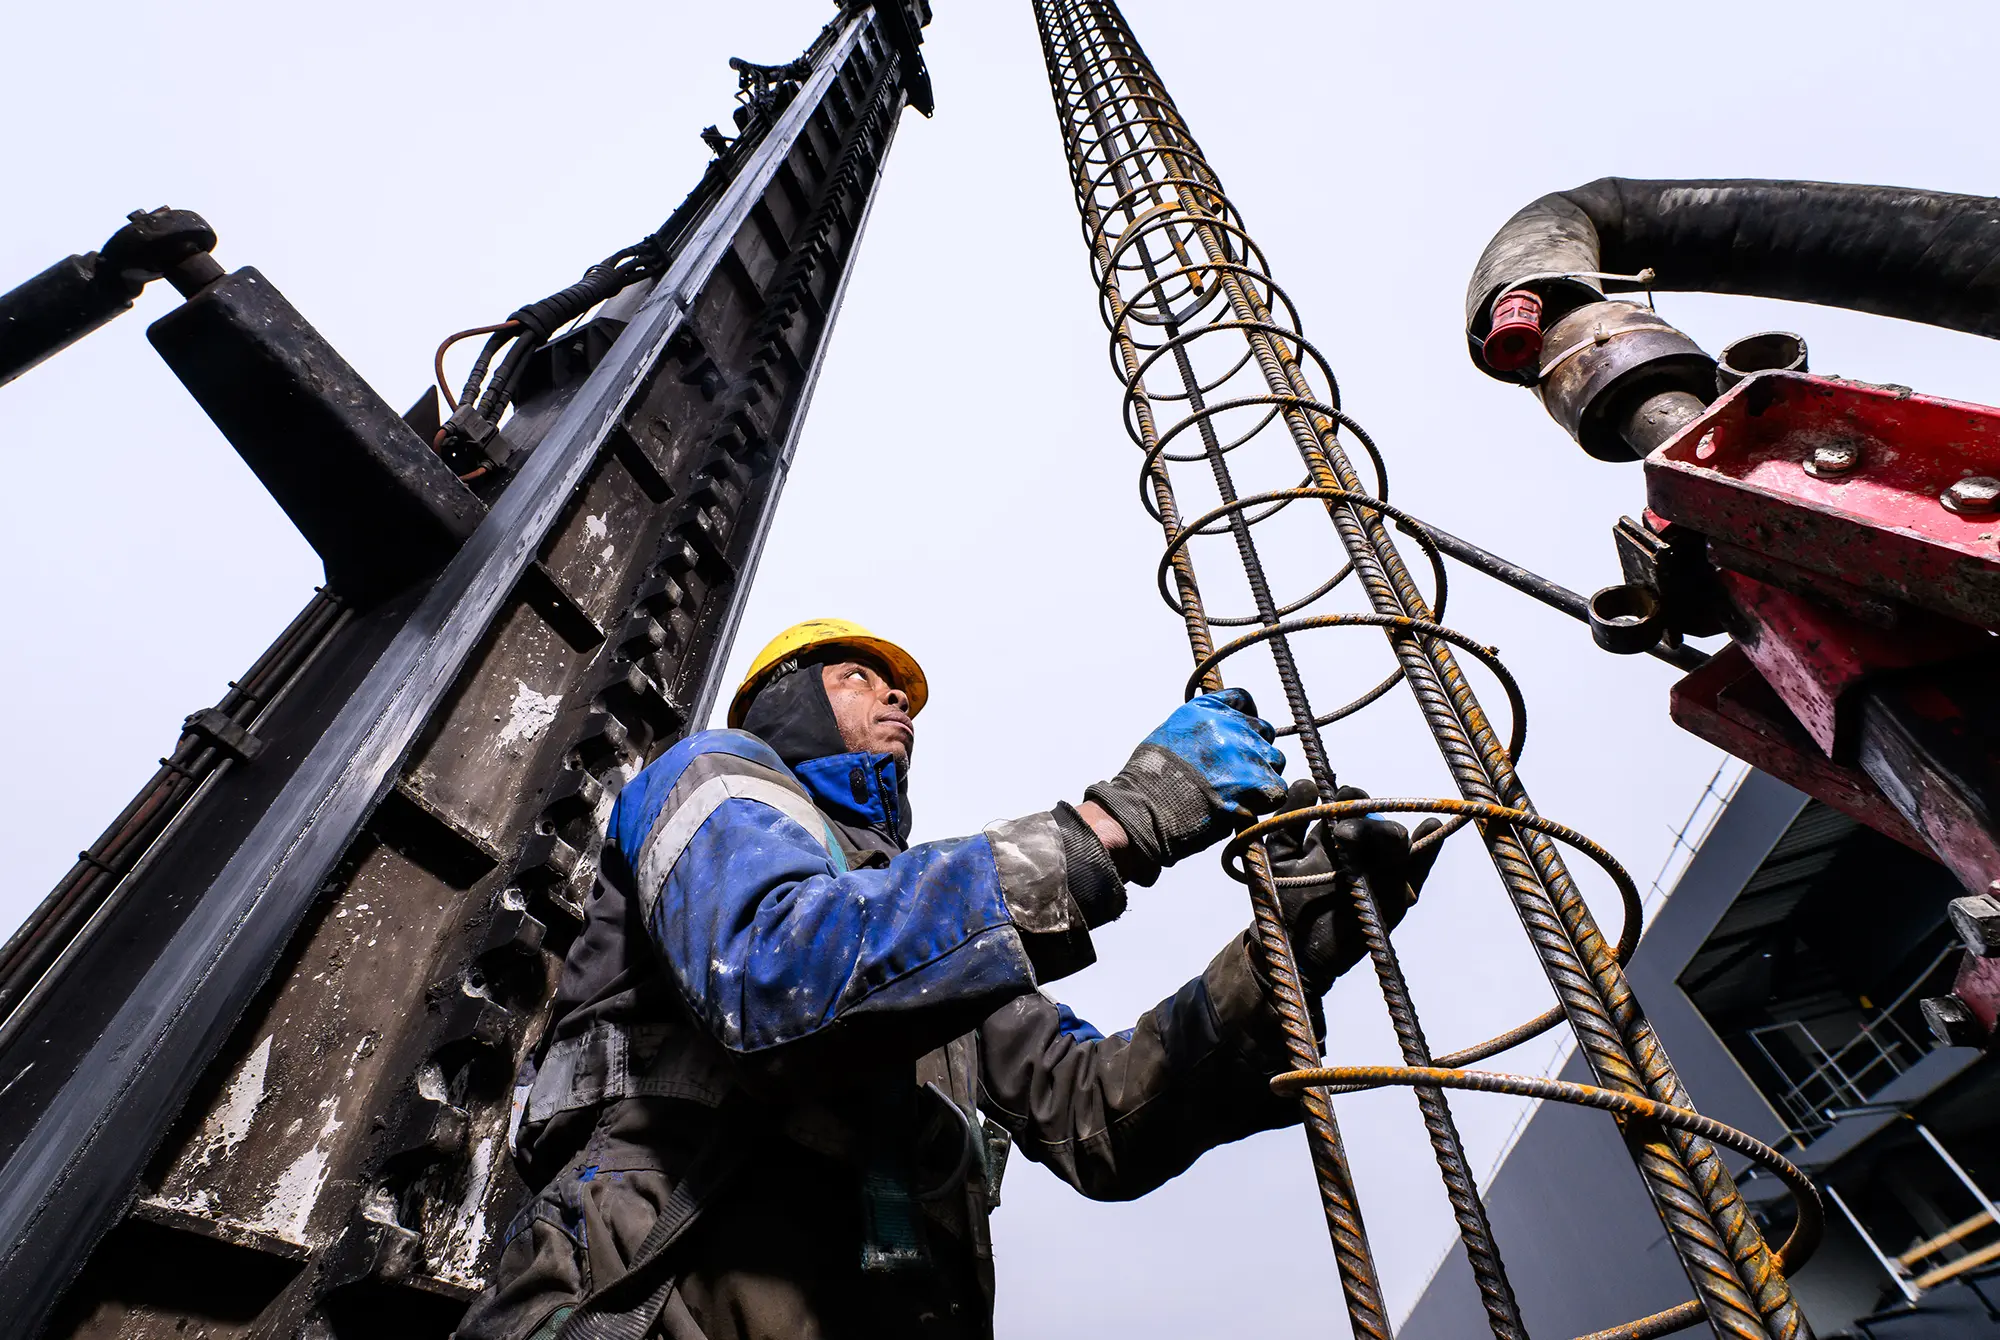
x,y
1320,919
1208,769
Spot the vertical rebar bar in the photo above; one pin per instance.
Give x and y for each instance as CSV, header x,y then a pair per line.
x,y
1175,265
1354,1260
1358,1272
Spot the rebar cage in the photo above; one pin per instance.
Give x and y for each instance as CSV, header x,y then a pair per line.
x,y
1238,420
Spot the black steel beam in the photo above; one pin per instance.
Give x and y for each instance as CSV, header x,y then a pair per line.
x,y
675,446
374,500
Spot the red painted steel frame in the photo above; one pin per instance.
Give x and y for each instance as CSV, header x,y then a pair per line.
x,y
1861,601
1738,475
1728,703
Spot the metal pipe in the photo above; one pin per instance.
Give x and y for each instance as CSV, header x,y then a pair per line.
x,y
1888,1267
1655,420
1985,1202
47,314
1537,587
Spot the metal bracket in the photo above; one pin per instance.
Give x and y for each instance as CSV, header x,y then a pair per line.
x,y
221,731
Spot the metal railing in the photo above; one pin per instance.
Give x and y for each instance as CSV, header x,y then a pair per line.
x,y
1847,1073
1904,1269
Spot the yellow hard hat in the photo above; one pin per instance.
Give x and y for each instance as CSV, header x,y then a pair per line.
x,y
815,633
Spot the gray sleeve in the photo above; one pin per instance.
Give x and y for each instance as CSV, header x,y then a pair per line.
x,y
1117,1116
1059,884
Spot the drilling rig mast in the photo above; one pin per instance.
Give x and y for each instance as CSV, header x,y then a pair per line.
x,y
257,1047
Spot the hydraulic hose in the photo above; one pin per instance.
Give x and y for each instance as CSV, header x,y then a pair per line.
x,y
1619,378
1919,255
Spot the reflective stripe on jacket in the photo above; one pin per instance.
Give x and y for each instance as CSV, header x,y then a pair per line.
x,y
746,937
773,941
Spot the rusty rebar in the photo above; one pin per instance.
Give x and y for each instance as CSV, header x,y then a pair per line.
x,y
1806,1231
1357,1269
1211,354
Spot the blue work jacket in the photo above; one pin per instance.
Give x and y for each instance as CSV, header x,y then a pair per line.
x,y
759,936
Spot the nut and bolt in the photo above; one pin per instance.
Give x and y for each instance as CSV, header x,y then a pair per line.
x,y
1951,1023
1977,921
1974,495
1831,460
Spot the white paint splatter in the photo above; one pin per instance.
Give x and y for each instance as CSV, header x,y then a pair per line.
x,y
380,1206
529,715
229,1125
365,1047
297,1189
465,1235
200,1202
595,526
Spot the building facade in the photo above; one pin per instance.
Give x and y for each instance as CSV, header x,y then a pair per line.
x,y
1783,975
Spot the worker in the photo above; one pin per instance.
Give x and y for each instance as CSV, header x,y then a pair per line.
x,y
756,1109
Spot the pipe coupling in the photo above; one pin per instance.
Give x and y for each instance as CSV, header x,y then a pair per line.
x,y
1602,360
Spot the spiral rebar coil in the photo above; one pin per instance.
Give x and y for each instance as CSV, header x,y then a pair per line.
x,y
1219,378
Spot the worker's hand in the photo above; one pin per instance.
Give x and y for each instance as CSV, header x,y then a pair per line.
x,y
1320,919
1208,769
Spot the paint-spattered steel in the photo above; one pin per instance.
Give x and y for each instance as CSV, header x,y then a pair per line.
x,y
274,1069
1882,524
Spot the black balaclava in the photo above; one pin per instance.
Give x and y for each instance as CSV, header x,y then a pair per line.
x,y
791,713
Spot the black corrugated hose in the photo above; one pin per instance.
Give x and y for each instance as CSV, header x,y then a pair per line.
x,y
1920,255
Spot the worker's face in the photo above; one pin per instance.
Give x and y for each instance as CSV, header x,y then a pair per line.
x,y
873,714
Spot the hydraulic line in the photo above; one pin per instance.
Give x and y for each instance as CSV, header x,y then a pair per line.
x,y
1214,365
764,92
55,927
1917,255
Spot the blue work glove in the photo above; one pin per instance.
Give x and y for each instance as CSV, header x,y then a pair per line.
x,y
1320,917
1192,782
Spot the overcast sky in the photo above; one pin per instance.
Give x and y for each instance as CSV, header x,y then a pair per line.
x,y
403,170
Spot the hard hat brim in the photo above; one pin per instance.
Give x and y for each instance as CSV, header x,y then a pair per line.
x,y
819,635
